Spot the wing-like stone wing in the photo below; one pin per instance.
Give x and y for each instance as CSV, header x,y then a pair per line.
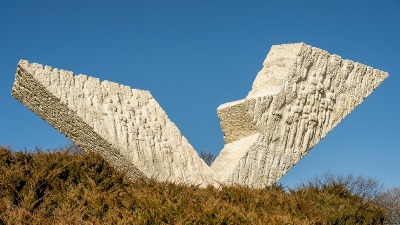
x,y
126,126
300,94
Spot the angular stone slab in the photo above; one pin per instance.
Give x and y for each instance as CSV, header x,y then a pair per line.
x,y
300,94
126,126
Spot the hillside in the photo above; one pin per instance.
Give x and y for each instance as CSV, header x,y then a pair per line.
x,y
68,186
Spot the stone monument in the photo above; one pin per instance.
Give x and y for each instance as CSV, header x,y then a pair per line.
x,y
300,94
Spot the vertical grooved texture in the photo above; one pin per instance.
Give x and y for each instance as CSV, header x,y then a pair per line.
x,y
300,94
128,127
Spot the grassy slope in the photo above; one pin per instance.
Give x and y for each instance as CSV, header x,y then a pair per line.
x,y
71,187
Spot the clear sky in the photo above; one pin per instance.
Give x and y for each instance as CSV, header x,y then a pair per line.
x,y
195,55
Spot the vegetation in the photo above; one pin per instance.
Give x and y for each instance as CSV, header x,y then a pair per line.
x,y
390,200
208,157
71,187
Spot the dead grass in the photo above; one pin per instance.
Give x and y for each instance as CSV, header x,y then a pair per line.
x,y
71,187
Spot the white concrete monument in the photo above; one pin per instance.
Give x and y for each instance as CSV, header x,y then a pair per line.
x,y
126,126
300,94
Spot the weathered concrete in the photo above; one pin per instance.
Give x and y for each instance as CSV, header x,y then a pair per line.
x,y
128,127
300,94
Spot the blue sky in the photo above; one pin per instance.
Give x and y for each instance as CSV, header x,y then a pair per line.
x,y
195,55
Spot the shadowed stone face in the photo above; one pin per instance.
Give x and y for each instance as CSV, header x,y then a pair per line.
x,y
300,94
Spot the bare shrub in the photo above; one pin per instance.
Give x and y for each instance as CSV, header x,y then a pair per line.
x,y
208,157
366,187
390,200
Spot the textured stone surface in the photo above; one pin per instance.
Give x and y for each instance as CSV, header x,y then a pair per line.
x,y
300,94
127,126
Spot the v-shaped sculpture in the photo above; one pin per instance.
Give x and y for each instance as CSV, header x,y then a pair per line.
x,y
300,94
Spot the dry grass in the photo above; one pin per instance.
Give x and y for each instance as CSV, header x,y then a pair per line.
x,y
71,187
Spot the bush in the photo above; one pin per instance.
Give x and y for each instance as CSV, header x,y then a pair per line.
x,y
367,188
208,157
390,200
71,187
